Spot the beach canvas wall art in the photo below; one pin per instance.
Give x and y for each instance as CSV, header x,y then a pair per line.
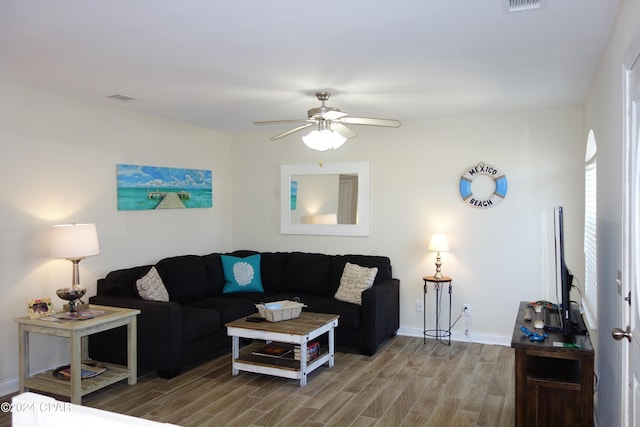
x,y
153,187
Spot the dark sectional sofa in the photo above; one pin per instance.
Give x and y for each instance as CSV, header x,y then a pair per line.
x,y
190,327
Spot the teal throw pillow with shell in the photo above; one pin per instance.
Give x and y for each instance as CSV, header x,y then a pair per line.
x,y
241,274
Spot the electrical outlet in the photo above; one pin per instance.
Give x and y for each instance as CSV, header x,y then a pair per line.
x,y
419,306
466,309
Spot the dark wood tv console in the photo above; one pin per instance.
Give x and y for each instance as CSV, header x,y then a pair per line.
x,y
554,384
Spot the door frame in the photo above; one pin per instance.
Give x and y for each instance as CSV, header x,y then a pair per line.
x,y
631,63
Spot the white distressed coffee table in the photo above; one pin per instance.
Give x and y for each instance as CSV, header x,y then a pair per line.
x,y
297,332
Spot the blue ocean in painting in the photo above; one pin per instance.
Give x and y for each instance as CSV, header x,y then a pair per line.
x,y
143,187
137,198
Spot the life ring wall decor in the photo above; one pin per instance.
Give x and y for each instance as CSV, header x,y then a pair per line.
x,y
499,179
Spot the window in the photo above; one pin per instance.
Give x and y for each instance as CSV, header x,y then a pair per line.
x,y
590,211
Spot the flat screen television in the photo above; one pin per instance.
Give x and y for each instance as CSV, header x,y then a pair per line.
x,y
564,281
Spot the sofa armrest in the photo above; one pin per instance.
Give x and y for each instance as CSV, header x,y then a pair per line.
x,y
380,314
159,333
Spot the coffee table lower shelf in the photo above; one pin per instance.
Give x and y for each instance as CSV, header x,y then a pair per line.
x,y
285,367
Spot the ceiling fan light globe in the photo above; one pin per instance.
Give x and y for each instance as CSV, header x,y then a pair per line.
x,y
323,140
338,140
313,140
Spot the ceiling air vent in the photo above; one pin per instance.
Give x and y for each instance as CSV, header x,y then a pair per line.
x,y
122,98
511,6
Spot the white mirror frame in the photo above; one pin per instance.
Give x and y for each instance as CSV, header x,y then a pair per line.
x,y
359,229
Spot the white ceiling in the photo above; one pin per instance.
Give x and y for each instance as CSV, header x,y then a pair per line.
x,y
224,64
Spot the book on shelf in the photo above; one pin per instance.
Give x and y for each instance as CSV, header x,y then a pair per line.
x,y
313,351
87,370
274,349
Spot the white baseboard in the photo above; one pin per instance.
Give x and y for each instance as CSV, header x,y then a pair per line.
x,y
459,335
9,385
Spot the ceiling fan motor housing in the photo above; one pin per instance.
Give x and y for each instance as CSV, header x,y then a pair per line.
x,y
315,113
318,113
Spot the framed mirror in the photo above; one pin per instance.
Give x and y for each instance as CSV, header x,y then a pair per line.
x,y
330,200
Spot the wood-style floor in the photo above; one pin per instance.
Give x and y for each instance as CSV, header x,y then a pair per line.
x,y
407,383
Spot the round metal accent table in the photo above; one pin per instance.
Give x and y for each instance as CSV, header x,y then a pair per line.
x,y
438,333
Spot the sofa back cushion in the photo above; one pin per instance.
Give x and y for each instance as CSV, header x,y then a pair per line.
x,y
215,274
308,273
122,283
185,278
338,262
274,266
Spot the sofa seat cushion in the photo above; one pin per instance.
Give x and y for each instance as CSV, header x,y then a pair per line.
x,y
255,297
229,309
185,278
198,323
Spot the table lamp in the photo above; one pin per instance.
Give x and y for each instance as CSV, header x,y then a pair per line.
x,y
438,243
74,242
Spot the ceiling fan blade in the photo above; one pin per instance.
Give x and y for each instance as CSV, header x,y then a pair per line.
x,y
369,121
268,122
334,115
290,131
343,130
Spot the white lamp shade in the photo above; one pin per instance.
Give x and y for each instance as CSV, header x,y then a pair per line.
x,y
438,243
74,241
323,140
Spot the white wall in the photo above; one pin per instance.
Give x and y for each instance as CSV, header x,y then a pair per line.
x,y
604,113
499,256
57,165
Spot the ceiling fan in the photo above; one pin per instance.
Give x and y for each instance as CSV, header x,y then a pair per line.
x,y
329,119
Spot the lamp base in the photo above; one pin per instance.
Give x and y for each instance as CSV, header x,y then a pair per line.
x,y
76,307
438,274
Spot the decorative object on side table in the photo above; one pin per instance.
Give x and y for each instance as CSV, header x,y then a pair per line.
x,y
438,243
74,242
40,307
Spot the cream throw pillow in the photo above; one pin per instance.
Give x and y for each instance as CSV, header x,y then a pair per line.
x,y
355,280
150,286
